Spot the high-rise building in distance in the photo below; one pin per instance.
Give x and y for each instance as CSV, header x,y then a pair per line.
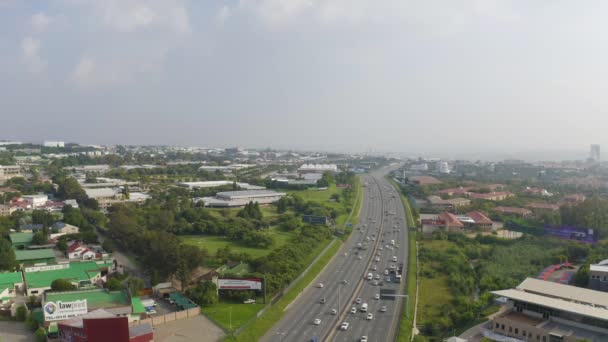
x,y
594,153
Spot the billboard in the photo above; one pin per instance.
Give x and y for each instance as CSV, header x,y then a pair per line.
x,y
239,284
57,311
314,219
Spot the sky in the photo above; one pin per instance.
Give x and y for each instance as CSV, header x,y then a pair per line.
x,y
444,77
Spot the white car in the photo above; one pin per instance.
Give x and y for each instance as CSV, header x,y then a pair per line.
x,y
377,277
383,309
334,311
249,301
360,257
369,317
377,259
344,281
358,301
388,279
344,326
377,296
385,272
320,285
363,339
375,283
353,310
374,268
316,321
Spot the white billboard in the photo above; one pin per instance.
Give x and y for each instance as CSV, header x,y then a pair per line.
x,y
239,283
57,311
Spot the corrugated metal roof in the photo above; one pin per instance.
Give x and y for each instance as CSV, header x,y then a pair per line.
x,y
567,292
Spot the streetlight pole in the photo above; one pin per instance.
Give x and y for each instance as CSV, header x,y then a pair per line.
x,y
231,318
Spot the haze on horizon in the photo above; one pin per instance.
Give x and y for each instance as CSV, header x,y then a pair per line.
x,y
444,77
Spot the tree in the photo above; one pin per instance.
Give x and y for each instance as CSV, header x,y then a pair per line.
x,y
40,238
204,293
21,313
70,188
135,285
31,323
40,335
62,285
114,284
282,205
7,256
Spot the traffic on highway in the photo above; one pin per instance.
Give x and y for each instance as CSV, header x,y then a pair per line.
x,y
357,296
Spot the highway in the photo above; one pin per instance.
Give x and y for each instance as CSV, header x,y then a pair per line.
x,y
344,279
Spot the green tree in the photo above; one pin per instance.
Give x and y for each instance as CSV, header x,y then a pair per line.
x,y
62,285
70,188
21,313
7,256
31,323
135,285
114,284
40,238
204,293
40,335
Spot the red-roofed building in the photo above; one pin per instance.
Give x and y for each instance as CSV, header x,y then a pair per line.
x,y
574,198
537,192
543,207
451,222
523,212
481,221
491,196
456,191
103,326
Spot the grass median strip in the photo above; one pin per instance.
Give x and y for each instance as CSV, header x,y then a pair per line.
x,y
261,325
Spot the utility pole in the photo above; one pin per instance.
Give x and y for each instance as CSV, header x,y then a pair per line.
x,y
230,318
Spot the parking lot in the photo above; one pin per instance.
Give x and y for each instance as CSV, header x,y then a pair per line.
x,y
197,328
14,332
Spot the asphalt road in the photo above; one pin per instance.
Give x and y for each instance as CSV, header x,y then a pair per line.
x,y
381,211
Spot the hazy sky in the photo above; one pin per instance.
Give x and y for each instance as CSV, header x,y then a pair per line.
x,y
396,75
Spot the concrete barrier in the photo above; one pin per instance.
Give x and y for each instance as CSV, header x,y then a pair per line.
x,y
181,314
170,317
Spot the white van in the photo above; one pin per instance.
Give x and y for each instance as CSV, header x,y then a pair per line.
x,y
370,276
393,242
395,258
364,307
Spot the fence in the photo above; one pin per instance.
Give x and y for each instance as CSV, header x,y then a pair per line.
x,y
170,317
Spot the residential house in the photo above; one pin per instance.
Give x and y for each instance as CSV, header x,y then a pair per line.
x,y
521,212
491,196
480,221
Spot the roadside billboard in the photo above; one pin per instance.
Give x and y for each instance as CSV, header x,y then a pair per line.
x,y
57,311
239,284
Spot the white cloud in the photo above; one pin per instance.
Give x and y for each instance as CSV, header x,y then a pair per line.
x,y
90,73
223,14
277,13
40,22
31,55
135,15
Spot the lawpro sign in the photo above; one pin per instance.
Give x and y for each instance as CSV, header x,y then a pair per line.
x,y
56,311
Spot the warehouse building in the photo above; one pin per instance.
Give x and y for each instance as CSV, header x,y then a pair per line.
x,y
35,256
21,240
81,274
545,311
214,184
241,198
10,283
598,276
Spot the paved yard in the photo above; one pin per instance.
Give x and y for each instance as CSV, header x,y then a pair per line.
x,y
197,328
14,332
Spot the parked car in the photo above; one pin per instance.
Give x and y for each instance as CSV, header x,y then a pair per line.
x,y
249,301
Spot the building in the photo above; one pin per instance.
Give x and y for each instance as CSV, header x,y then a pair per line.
x,y
318,168
574,198
105,197
214,184
9,171
35,201
241,198
51,143
35,256
464,191
21,240
443,167
6,210
543,207
424,180
598,276
522,212
452,203
537,192
225,169
115,302
491,196
545,311
101,326
594,153
81,274
444,221
64,228
10,283
419,167
480,221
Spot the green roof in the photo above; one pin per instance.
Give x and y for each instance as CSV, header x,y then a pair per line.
x,y
35,254
182,301
9,279
96,299
21,237
137,306
78,271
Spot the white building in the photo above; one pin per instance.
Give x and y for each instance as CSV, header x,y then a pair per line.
x,y
443,167
306,168
241,198
35,201
52,143
419,167
105,197
9,171
214,184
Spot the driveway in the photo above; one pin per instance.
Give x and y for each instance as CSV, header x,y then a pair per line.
x,y
14,332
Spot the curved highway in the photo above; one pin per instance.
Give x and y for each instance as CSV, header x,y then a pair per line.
x,y
344,279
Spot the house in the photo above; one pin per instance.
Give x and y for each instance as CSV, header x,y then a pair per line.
x,y
522,212
9,171
491,196
10,283
456,191
83,274
436,201
480,220
65,228
31,227
6,210
35,201
543,207
444,221
574,198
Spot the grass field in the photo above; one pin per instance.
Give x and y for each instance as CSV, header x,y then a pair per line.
x,y
261,325
212,243
321,196
241,313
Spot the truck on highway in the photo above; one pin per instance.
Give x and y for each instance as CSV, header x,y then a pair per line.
x,y
364,307
398,277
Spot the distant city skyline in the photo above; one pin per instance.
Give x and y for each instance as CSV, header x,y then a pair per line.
x,y
434,77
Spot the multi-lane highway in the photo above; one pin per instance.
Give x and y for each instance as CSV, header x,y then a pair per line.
x,y
377,245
